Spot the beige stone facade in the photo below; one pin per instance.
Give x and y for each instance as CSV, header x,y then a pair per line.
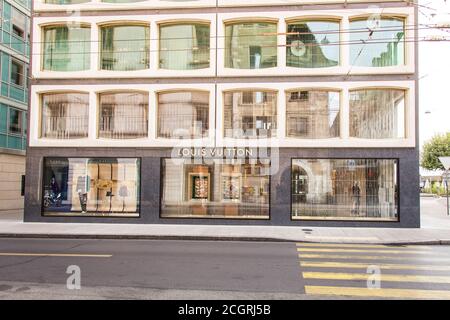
x,y
12,167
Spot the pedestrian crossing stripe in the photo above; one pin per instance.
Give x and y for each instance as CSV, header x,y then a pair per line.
x,y
361,257
406,251
377,293
382,277
328,264
348,245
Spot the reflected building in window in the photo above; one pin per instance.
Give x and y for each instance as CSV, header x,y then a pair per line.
x,y
313,44
345,189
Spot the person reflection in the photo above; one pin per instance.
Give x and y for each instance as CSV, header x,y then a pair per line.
x,y
356,193
81,189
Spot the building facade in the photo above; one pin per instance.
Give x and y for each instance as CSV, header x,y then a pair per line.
x,y
15,54
272,112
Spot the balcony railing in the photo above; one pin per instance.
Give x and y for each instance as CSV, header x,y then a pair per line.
x,y
65,127
123,127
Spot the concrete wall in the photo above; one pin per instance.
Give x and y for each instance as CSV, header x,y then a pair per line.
x,y
12,167
280,186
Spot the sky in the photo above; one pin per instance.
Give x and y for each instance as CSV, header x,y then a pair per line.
x,y
434,73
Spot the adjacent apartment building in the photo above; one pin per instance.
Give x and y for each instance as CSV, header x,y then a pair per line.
x,y
14,61
264,112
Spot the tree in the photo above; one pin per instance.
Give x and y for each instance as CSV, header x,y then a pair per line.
x,y
438,146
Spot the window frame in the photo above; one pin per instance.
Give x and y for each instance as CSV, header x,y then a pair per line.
x,y
21,75
118,91
332,19
112,24
250,20
243,90
138,214
41,112
210,130
211,218
301,90
20,124
336,219
184,21
67,24
400,17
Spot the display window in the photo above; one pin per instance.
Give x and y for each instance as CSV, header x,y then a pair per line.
x,y
217,189
345,189
107,187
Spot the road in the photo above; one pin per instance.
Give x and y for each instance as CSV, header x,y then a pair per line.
x,y
167,269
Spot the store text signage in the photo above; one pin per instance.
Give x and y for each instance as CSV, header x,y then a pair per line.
x,y
218,152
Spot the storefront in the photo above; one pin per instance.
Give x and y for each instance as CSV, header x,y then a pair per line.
x,y
287,187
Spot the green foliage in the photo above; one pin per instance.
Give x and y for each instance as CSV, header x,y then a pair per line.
x,y
436,188
438,146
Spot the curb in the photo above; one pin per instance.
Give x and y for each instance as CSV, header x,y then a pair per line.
x,y
206,238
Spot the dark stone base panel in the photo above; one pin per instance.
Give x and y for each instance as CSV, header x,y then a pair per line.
x,y
280,187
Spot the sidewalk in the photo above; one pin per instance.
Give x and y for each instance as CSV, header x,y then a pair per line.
x,y
11,226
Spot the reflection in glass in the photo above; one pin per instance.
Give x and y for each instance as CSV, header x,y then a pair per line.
x,y
123,115
389,49
65,115
125,48
251,45
91,187
377,114
313,44
312,114
219,189
184,46
183,115
66,48
66,1
250,114
348,189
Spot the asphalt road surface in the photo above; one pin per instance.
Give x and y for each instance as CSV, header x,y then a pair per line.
x,y
167,269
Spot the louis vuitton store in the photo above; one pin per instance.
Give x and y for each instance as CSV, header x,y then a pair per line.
x,y
298,187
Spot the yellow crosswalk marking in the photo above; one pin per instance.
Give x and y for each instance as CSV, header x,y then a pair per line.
x,y
406,251
349,245
362,257
354,265
377,293
383,277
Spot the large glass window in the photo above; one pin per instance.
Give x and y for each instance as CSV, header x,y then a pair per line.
x,y
123,115
106,187
312,44
15,122
65,115
66,48
66,1
251,45
18,23
184,46
388,47
347,189
377,114
250,114
17,73
125,48
312,114
183,114
121,1
219,189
